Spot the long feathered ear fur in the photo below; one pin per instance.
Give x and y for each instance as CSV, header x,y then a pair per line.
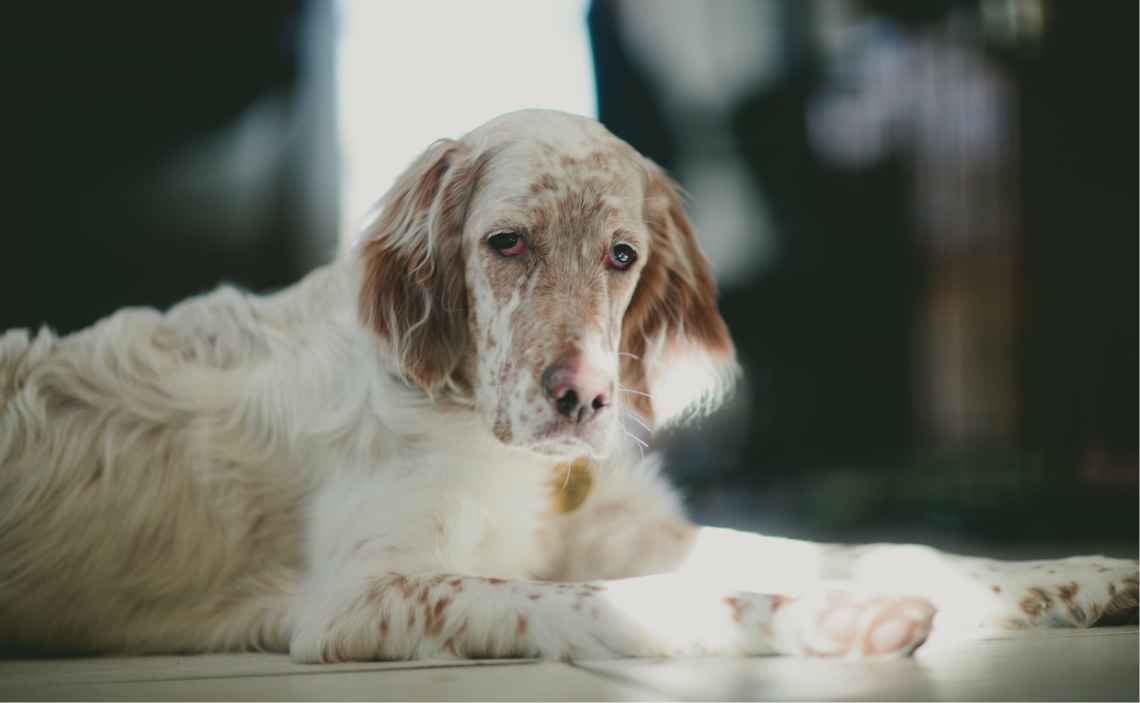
x,y
683,359
413,292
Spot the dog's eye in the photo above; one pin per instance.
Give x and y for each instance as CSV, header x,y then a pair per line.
x,y
507,243
621,256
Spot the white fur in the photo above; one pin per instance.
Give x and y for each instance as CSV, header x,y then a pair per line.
x,y
250,472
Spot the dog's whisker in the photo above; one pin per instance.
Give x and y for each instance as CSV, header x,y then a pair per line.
x,y
641,444
636,419
632,356
623,389
635,438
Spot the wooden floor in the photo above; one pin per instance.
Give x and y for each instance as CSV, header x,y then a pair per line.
x,y
1057,665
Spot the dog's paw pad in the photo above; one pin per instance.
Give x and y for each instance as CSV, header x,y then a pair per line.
x,y
898,628
839,624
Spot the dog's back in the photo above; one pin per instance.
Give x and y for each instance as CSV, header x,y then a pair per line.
x,y
122,509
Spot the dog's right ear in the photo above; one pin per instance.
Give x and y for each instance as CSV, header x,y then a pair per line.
x,y
413,293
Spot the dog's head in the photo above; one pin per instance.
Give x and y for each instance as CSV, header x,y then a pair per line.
x,y
544,269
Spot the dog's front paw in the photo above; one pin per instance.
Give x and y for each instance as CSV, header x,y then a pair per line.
x,y
840,624
1074,592
1123,597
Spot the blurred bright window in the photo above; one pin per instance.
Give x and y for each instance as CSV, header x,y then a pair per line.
x,y
409,73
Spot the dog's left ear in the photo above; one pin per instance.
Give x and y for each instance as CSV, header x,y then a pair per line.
x,y
413,292
683,361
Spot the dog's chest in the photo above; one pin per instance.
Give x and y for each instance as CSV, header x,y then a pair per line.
x,y
473,513
509,526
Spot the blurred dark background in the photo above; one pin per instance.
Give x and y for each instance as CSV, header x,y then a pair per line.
x,y
920,213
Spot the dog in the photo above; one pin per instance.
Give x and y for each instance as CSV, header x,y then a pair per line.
x,y
429,449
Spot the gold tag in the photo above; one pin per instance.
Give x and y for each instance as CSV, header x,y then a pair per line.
x,y
572,482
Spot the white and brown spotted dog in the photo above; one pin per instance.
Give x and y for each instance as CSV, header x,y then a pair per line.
x,y
422,450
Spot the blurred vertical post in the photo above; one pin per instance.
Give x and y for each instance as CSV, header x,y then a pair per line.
x,y
965,140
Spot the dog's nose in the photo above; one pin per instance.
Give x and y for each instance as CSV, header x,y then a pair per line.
x,y
577,392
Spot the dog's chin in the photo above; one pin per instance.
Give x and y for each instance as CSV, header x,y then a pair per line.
x,y
563,448
571,443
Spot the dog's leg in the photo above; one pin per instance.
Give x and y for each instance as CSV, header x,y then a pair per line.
x,y
969,592
635,527
395,616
